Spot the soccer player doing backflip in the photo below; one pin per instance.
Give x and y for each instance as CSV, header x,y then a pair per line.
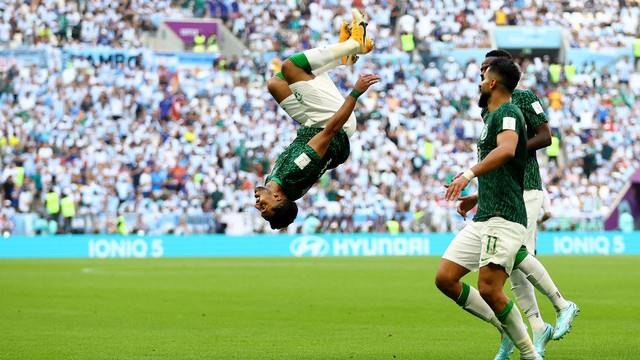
x,y
326,118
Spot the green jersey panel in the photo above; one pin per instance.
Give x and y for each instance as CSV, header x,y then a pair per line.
x,y
534,116
500,191
299,166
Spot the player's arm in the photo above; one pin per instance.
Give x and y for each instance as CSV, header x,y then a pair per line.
x,y
506,144
541,139
466,204
320,142
536,119
546,216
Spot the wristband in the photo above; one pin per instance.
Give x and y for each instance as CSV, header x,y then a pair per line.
x,y
468,174
355,93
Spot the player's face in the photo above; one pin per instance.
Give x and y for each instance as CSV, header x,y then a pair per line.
x,y
485,90
485,65
265,202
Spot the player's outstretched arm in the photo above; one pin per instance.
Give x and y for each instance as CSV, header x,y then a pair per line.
x,y
320,142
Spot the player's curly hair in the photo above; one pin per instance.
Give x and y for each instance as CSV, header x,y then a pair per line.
x,y
283,214
508,72
499,53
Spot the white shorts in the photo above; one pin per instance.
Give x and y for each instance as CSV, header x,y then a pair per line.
x,y
494,241
533,202
320,99
293,108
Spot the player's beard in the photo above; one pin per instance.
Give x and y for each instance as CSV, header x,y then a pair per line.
x,y
483,102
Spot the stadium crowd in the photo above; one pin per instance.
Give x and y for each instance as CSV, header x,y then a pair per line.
x,y
284,26
147,144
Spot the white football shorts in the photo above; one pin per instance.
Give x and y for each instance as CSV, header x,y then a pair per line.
x,y
293,108
494,241
533,202
320,99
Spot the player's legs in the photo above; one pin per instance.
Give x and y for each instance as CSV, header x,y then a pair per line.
x,y
490,284
522,289
345,34
459,259
500,242
279,89
530,271
524,293
448,279
536,273
300,67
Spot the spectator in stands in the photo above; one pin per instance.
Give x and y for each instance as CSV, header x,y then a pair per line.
x,y
6,225
311,225
624,68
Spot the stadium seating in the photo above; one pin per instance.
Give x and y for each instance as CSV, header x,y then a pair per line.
x,y
138,138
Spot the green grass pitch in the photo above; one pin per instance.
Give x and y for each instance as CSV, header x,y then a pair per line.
x,y
289,308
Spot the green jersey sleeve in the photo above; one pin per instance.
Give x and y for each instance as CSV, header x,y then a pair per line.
x,y
531,108
534,116
507,118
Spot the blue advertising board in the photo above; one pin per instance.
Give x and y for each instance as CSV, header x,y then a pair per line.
x,y
174,60
112,246
22,57
533,37
601,57
106,55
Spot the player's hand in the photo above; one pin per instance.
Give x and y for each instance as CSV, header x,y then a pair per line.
x,y
466,204
364,81
455,188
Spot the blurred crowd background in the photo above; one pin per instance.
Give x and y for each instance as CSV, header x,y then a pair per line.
x,y
142,149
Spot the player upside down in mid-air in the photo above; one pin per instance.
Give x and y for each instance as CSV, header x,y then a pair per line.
x,y
309,96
